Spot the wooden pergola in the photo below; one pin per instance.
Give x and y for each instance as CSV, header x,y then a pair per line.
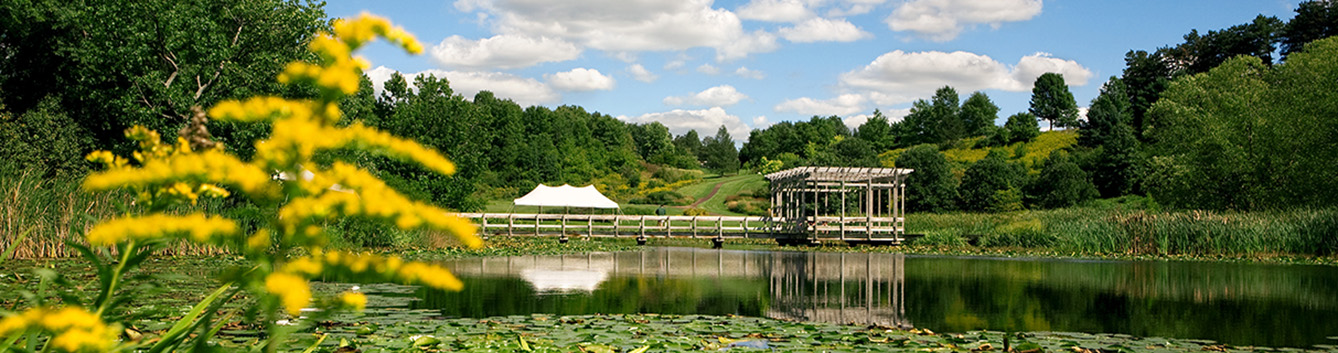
x,y
850,203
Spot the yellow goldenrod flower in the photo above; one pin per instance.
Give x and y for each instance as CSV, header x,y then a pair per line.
x,y
292,291
355,300
430,275
76,329
198,227
258,241
305,265
211,166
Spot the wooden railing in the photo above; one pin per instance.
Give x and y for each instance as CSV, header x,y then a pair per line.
x,y
590,225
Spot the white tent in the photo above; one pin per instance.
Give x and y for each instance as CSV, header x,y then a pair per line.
x,y
566,196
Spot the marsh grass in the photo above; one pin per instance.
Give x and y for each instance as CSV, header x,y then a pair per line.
x,y
1142,232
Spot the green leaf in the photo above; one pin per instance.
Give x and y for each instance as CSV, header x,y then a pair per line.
x,y
171,338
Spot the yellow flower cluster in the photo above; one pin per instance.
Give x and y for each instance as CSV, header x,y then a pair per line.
x,y
76,329
366,27
371,198
107,159
209,167
259,109
381,267
355,300
197,227
291,289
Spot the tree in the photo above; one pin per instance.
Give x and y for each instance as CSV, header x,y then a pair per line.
x,y
989,176
932,187
45,141
1116,172
718,152
651,139
1146,75
945,116
116,64
1200,53
1315,19
877,132
1052,101
978,114
1108,110
689,143
1062,183
1247,136
1022,127
853,152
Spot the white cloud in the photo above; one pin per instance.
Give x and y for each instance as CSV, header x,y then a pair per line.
x,y
705,121
899,77
505,51
745,72
1032,66
758,42
845,104
708,69
760,122
823,30
524,91
892,115
640,73
580,79
775,11
943,20
718,96
853,7
615,26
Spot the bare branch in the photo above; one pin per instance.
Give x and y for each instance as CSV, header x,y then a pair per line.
x,y
200,91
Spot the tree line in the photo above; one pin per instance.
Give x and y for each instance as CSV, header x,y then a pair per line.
x,y
1214,122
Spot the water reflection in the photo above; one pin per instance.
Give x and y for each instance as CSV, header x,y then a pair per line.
x,y
832,287
1239,304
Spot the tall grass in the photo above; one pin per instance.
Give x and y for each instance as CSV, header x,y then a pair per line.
x,y
55,209
1144,232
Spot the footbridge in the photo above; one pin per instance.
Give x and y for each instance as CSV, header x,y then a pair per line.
x,y
807,204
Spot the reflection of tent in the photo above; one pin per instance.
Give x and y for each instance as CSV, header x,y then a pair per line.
x,y
564,280
566,196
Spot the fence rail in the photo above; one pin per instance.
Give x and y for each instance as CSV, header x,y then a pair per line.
x,y
590,225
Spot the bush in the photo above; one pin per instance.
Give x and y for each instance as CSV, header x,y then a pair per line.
x,y
695,212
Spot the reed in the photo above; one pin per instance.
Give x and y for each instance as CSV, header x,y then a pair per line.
x,y
1144,232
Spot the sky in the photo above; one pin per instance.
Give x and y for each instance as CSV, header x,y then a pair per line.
x,y
747,64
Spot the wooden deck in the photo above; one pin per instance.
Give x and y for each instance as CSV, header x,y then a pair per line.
x,y
855,228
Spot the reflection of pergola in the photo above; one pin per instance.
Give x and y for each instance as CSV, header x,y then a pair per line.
x,y
838,200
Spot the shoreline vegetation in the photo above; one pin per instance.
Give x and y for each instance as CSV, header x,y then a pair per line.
x,y
373,331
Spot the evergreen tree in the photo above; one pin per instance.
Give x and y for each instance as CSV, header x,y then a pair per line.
x,y
932,186
1062,183
945,116
1052,101
718,152
1108,110
1117,164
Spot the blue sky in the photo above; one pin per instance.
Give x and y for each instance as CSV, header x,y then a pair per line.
x,y
746,64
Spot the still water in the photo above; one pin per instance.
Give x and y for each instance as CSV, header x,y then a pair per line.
x,y
1239,304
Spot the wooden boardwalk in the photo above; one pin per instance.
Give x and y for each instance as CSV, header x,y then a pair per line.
x,y
855,228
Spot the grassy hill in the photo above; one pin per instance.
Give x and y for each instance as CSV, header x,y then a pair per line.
x,y
1030,154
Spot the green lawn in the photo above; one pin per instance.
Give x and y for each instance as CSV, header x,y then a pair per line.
x,y
732,186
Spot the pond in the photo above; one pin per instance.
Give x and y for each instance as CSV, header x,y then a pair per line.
x,y
1239,304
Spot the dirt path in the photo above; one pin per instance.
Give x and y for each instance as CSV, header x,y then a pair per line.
x,y
708,196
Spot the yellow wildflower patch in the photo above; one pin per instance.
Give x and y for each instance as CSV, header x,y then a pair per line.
x,y
211,166
75,329
292,291
355,300
196,227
